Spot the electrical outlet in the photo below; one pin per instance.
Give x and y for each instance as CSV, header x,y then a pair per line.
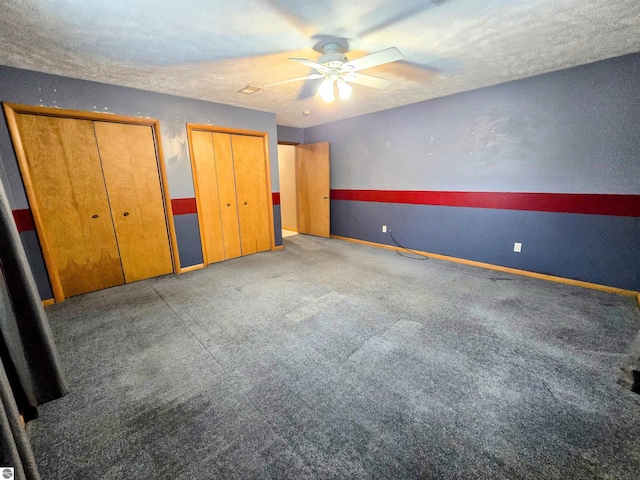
x,y
517,247
384,229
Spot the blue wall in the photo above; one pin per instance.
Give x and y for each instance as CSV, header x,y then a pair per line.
x,y
290,134
34,88
572,131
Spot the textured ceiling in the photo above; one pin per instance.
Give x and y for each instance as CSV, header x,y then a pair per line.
x,y
211,49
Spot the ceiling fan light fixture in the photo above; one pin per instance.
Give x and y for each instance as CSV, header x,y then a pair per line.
x,y
326,90
337,70
344,89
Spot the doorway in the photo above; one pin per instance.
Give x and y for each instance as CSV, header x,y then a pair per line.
x,y
288,205
304,189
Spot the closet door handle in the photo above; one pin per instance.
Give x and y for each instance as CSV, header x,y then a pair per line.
x,y
228,204
94,216
245,203
325,197
125,214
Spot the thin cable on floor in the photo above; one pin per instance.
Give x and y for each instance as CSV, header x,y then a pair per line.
x,y
420,255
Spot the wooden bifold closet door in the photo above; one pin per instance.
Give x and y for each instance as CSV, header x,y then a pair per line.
x,y
232,193
65,172
253,200
96,189
217,203
131,175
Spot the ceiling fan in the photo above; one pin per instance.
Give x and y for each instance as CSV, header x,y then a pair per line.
x,y
337,71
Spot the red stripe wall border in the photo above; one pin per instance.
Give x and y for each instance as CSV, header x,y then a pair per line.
x,y
183,206
24,220
180,206
585,203
593,204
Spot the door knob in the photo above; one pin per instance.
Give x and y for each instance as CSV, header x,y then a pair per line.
x,y
228,204
245,203
325,197
94,216
126,214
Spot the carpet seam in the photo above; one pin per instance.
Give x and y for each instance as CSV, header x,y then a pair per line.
x,y
188,328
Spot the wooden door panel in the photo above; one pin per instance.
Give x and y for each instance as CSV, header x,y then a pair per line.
x,y
313,189
132,179
227,192
206,181
66,178
146,177
251,185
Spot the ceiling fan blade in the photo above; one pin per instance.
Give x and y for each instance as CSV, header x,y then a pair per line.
x,y
304,16
309,63
308,77
367,80
393,13
387,55
309,89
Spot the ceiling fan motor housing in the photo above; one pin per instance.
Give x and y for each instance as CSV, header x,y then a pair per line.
x,y
332,60
332,57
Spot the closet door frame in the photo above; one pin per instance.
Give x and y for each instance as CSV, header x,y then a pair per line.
x,y
191,127
10,111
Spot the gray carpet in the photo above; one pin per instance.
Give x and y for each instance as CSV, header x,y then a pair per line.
x,y
336,360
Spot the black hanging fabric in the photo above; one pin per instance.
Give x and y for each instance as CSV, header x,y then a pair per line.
x,y
33,327
30,371
12,356
15,449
